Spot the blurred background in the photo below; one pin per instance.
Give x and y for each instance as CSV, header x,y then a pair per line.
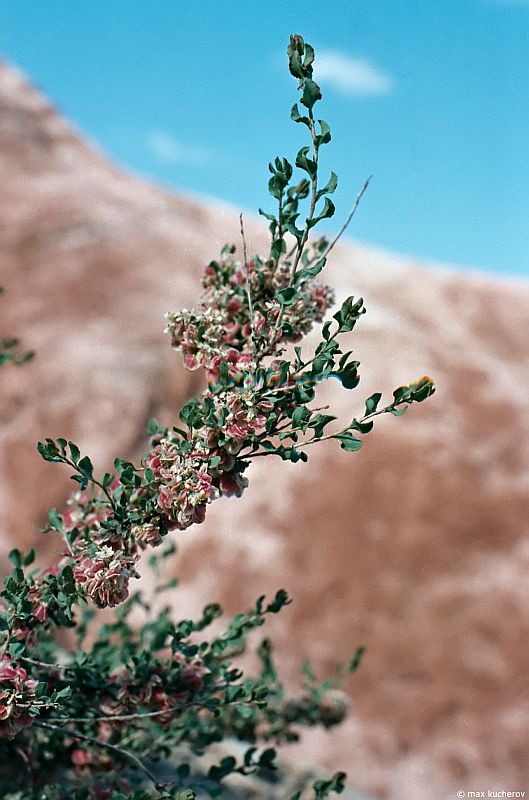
x,y
131,135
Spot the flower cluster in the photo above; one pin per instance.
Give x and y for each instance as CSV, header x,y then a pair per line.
x,y
17,696
104,575
239,310
165,687
186,487
104,554
198,335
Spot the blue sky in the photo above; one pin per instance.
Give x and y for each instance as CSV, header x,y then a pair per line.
x,y
429,96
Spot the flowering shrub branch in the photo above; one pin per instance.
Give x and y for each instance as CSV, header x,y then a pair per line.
x,y
137,692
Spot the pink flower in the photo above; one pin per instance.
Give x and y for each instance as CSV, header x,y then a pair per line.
x,y
17,693
40,607
153,460
197,334
81,757
105,575
192,671
191,362
147,534
245,419
185,495
234,305
232,485
236,362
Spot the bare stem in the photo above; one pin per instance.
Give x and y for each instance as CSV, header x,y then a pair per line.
x,y
349,217
112,747
95,482
45,665
247,280
122,717
316,439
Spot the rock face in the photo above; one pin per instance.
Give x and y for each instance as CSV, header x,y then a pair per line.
x,y
415,547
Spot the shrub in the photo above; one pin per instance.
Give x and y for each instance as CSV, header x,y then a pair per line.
x,y
95,720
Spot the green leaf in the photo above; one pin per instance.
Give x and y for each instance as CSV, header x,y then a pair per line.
x,y
49,450
311,272
320,422
402,394
301,414
291,228
276,186
362,427
273,221
267,759
152,427
287,296
55,520
191,413
268,216
85,467
226,767
336,784
278,248
309,57
15,557
280,600
296,49
107,479
75,453
324,136
349,314
329,187
348,375
326,331
291,454
356,659
372,403
348,442
328,211
16,649
296,116
422,389
311,93
306,163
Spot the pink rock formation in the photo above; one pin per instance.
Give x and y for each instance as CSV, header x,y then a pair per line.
x,y
415,547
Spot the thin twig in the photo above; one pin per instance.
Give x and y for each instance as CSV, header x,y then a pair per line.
x,y
316,440
93,480
123,717
349,218
45,665
247,280
113,747
140,715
